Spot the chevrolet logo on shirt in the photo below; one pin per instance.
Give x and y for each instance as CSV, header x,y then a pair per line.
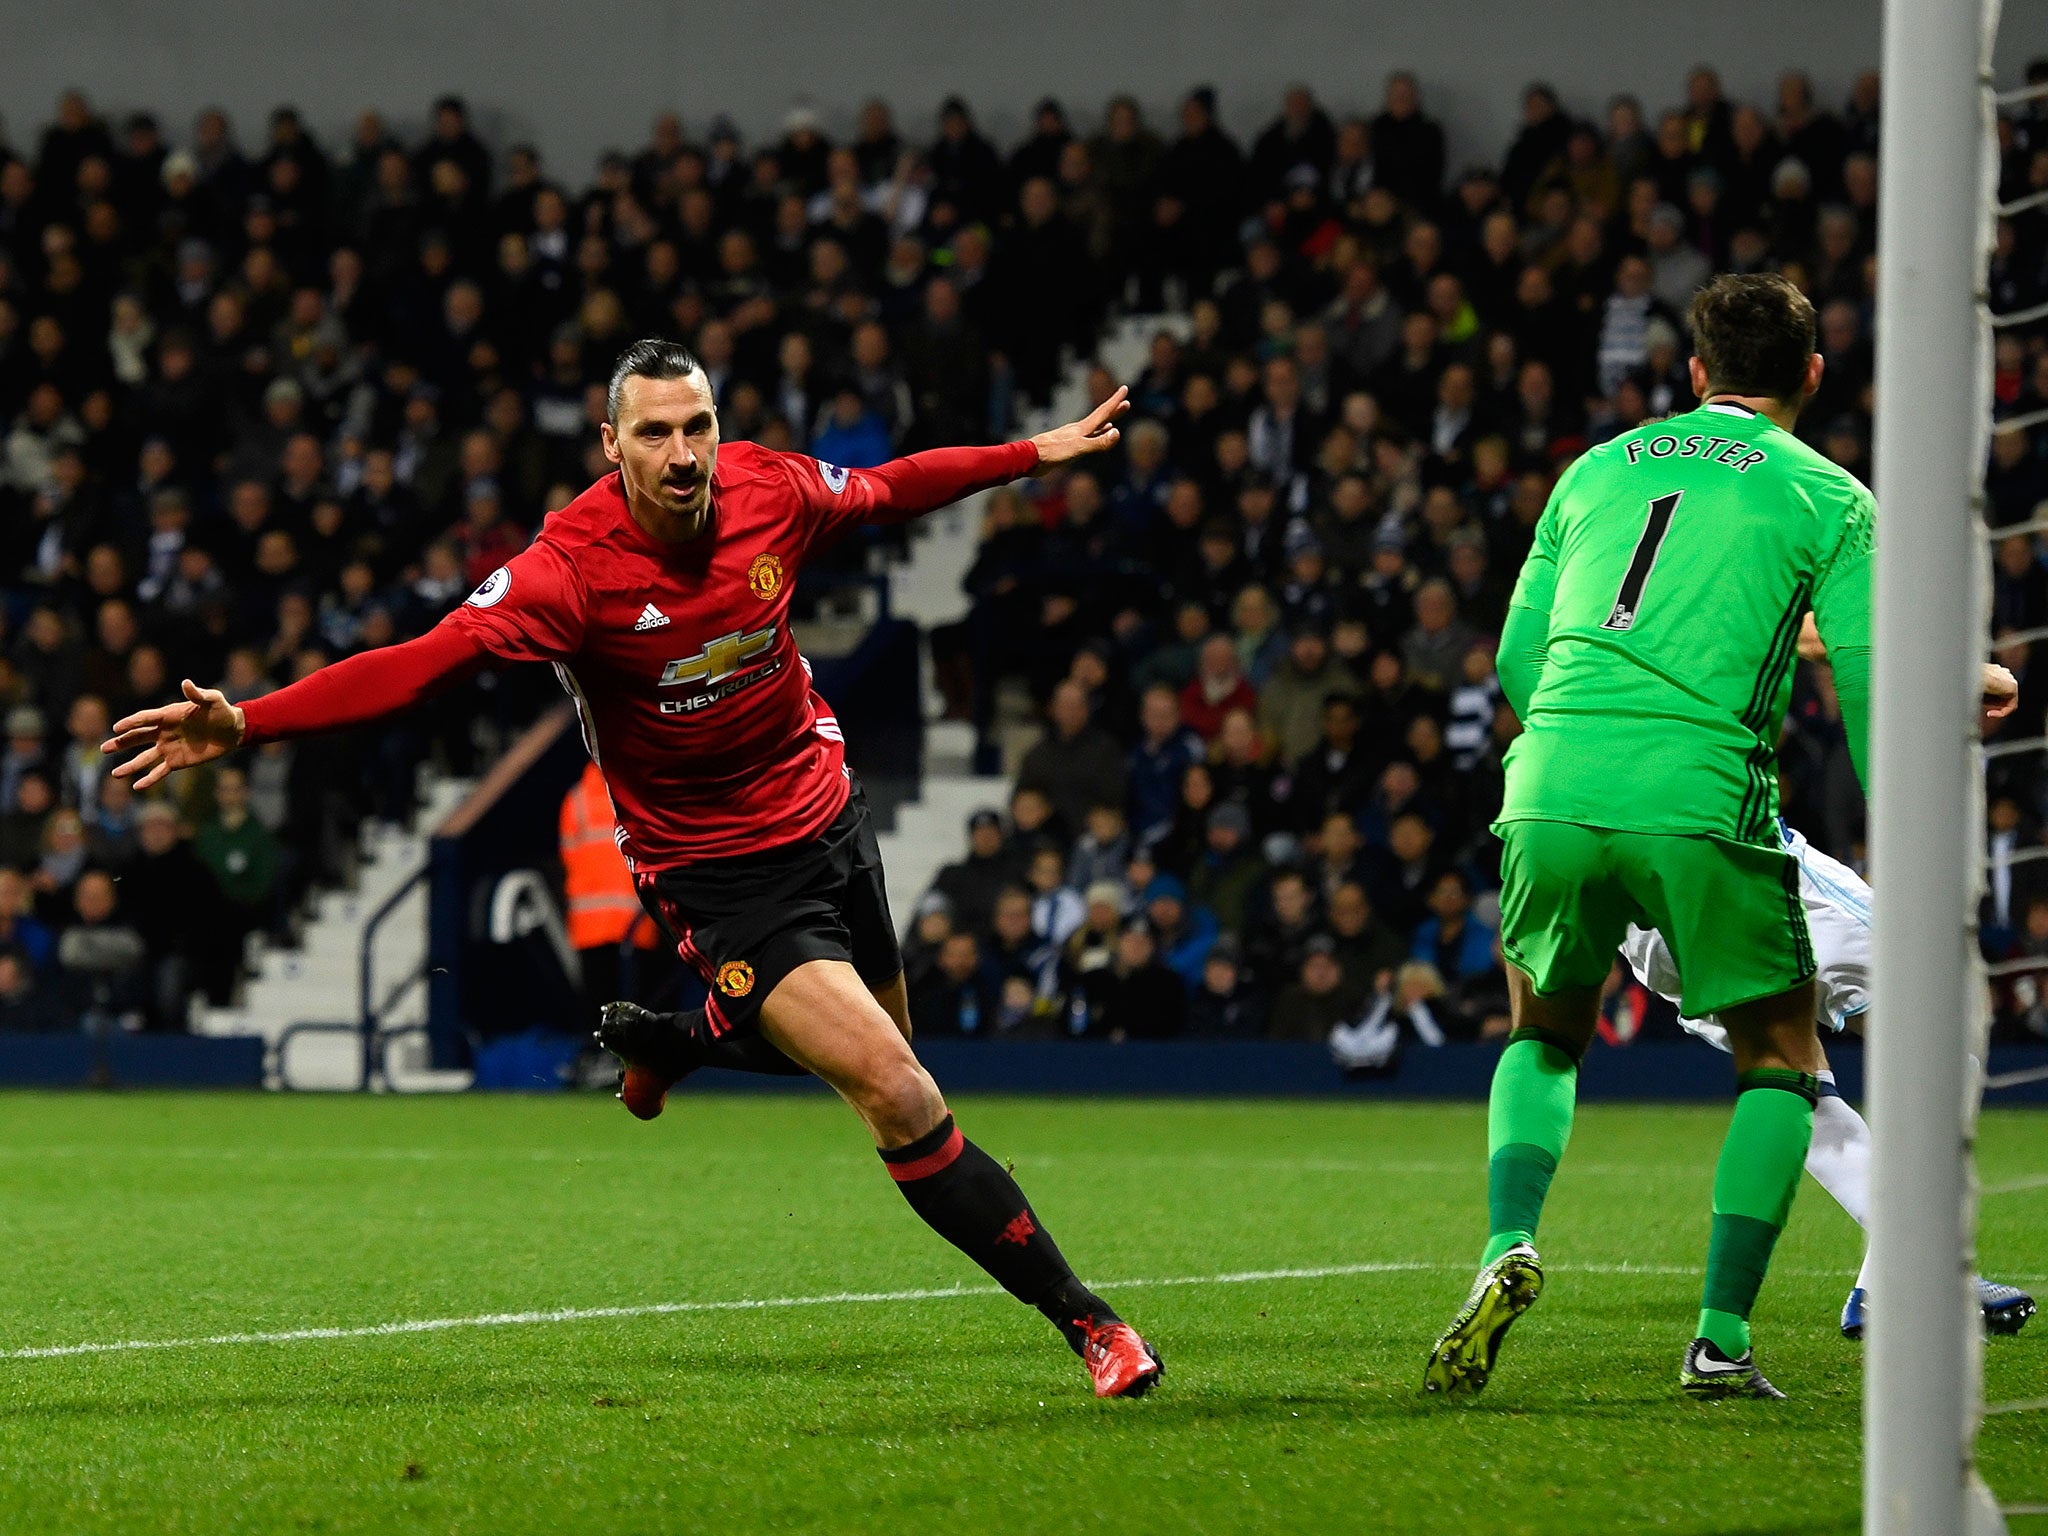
x,y
719,659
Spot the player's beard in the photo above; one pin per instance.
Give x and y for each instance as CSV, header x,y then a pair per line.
x,y
684,513
690,499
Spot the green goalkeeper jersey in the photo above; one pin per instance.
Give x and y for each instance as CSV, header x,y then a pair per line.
x,y
1650,645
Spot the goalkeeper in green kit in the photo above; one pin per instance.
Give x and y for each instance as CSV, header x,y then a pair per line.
x,y
1649,652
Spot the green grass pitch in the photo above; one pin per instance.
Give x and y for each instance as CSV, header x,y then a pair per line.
x,y
1291,1403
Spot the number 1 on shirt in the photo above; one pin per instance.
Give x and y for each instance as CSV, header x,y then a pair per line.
x,y
1628,601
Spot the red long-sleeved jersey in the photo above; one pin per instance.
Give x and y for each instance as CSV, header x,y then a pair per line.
x,y
693,698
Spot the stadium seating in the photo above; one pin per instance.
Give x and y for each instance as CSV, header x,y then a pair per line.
x,y
265,406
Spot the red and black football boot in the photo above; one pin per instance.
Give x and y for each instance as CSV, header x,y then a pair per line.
x,y
656,1051
1119,1362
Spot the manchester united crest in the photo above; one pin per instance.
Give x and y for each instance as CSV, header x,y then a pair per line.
x,y
736,977
765,576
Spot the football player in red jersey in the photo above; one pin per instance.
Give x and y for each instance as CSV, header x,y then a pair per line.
x,y
661,597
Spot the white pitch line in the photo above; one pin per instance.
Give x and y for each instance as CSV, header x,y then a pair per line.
x,y
1125,1161
667,1309
829,1299
2016,1186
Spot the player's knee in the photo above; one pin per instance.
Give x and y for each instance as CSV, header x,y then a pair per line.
x,y
900,1099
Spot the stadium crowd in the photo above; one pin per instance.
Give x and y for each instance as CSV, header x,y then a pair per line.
x,y
266,404
1262,642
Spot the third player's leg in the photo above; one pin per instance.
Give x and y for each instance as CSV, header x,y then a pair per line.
x,y
1776,1032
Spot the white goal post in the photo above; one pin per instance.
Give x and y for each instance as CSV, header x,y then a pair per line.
x,y
1924,1344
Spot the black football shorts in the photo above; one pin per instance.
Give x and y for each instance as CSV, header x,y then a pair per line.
x,y
745,922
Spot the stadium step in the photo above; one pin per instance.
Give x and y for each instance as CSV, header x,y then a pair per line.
x,y
932,832
320,982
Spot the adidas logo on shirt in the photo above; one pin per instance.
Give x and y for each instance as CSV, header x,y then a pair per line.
x,y
651,617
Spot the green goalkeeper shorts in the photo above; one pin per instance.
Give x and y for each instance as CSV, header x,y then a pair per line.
x,y
1730,911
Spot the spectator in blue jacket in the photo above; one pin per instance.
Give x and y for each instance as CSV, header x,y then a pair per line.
x,y
1165,750
852,436
1185,932
1452,939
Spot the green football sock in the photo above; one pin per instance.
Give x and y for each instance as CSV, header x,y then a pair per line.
x,y
1754,1183
1528,1122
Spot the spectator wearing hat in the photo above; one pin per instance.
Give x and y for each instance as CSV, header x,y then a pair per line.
x,y
970,886
1291,704
1307,595
26,751
1319,998
1228,870
930,926
1077,763
1386,598
1678,269
1228,1005
1092,945
1183,931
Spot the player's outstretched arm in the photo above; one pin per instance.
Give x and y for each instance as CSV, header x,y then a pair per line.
x,y
204,725
2000,689
923,482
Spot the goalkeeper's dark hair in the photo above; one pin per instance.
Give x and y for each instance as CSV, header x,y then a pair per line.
x,y
1753,333
650,358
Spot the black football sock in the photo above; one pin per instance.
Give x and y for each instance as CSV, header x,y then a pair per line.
x,y
735,1052
966,1197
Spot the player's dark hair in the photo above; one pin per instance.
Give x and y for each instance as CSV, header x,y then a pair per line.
x,y
649,358
1753,333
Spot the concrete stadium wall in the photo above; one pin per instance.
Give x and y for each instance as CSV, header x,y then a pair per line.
x,y
578,79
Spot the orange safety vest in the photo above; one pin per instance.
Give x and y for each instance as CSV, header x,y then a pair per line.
x,y
599,888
